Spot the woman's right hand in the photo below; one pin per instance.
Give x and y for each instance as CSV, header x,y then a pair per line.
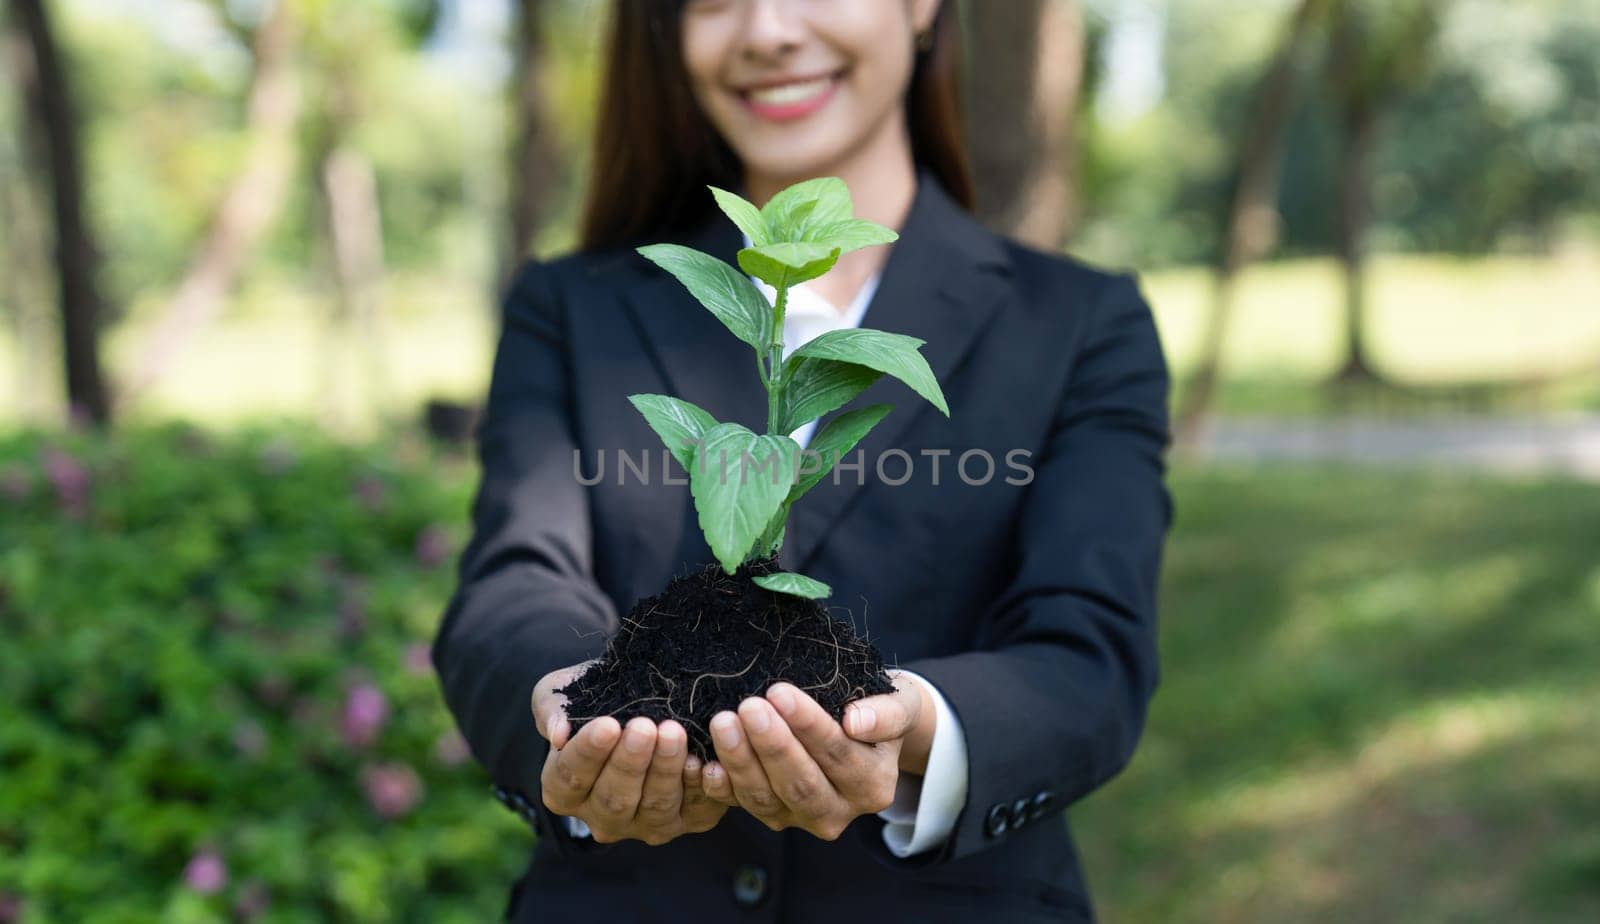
x,y
637,782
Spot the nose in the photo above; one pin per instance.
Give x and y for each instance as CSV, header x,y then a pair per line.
x,y
773,28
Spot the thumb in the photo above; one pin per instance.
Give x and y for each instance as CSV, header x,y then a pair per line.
x,y
888,716
550,707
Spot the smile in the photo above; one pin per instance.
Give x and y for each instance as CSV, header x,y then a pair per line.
x,y
792,100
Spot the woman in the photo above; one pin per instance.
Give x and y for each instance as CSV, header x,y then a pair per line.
x,y
1006,557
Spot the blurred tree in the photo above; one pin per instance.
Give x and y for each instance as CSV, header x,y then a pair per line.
x,y
52,140
1025,72
249,205
1251,220
535,157
1378,52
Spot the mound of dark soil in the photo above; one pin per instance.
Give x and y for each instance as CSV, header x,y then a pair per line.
x,y
708,641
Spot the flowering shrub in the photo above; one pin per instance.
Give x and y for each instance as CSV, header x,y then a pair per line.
x,y
216,701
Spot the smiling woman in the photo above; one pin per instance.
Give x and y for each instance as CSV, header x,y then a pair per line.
x,y
1019,612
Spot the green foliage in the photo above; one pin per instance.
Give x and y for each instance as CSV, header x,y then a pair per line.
x,y
724,291
814,387
795,237
891,354
680,424
217,648
739,482
787,582
835,438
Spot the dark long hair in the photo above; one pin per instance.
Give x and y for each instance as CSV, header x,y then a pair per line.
x,y
655,151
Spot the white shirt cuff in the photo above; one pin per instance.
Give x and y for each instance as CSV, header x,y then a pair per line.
x,y
925,808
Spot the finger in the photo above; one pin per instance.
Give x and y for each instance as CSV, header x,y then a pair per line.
x,y
715,784
749,780
821,736
887,716
550,707
794,775
570,773
615,797
662,795
700,812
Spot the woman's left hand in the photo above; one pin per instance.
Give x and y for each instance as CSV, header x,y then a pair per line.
x,y
788,763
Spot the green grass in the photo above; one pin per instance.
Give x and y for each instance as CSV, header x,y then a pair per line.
x,y
1434,320
1379,704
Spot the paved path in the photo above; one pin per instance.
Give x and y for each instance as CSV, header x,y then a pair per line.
x,y
1546,445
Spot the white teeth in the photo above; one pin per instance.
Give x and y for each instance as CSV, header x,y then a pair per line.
x,y
791,92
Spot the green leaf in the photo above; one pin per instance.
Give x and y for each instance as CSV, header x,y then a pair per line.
x,y
680,424
796,585
813,387
744,214
787,264
723,290
736,501
837,437
892,354
819,201
851,234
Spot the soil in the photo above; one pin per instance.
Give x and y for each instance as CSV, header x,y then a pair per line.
x,y
711,639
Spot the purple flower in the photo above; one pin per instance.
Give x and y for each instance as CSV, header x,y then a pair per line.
x,y
16,486
419,659
433,547
277,458
70,479
365,710
451,749
352,608
10,908
206,873
372,492
250,739
391,789
253,900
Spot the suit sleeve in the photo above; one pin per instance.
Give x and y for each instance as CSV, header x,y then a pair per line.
x,y
1053,699
526,602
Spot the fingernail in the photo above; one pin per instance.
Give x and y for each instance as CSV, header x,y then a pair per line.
x,y
561,731
783,698
605,733
725,727
637,740
668,742
691,764
757,716
863,721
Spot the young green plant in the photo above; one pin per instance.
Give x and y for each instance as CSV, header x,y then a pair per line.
x,y
796,237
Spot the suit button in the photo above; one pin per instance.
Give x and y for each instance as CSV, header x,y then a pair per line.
x,y
1019,813
750,886
1041,804
998,821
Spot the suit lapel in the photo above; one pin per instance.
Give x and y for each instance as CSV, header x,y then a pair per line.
x,y
942,281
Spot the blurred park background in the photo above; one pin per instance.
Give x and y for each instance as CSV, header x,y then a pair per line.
x,y
245,243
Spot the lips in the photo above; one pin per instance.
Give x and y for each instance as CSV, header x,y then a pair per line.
x,y
791,99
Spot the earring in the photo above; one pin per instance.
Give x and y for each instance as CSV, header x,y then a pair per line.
x,y
925,39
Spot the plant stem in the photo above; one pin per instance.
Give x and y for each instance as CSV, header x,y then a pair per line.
x,y
774,380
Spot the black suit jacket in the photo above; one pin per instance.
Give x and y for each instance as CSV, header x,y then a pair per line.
x,y
1032,608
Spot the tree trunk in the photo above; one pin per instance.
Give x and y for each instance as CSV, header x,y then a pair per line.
x,y
1252,217
1022,99
355,235
77,259
534,162
247,208
1357,105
